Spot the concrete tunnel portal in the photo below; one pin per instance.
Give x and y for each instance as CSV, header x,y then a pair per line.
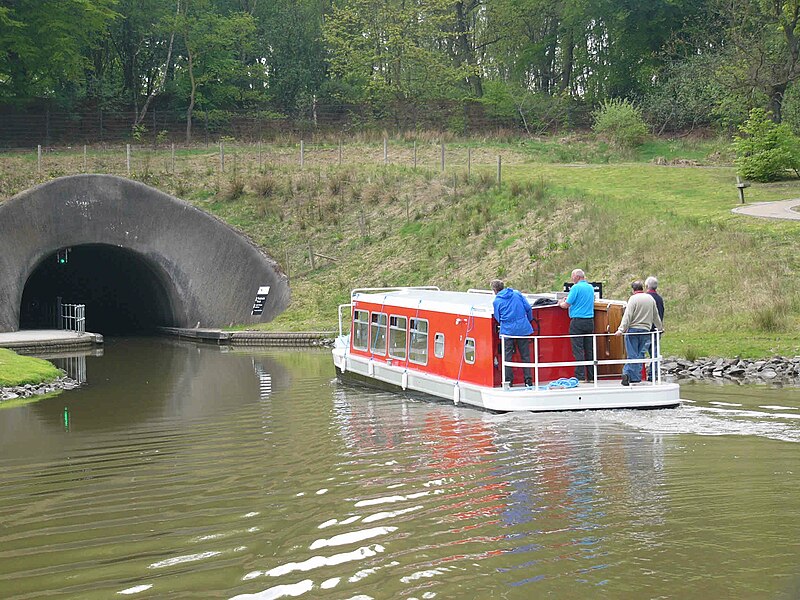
x,y
136,257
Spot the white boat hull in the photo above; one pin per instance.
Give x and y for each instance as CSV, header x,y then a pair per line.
x,y
599,395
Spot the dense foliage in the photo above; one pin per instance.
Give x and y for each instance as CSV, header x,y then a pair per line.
x,y
532,64
620,123
766,150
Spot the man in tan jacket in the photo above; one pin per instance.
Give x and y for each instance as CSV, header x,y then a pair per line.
x,y
640,316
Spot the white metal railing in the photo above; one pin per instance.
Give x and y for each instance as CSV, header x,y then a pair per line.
x,y
655,361
341,306
393,289
72,317
73,366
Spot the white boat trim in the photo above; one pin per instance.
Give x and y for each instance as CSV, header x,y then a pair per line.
x,y
599,395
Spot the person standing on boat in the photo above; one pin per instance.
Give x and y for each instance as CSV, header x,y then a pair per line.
x,y
513,312
580,302
650,287
640,318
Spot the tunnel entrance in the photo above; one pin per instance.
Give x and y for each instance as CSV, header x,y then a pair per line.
x,y
122,291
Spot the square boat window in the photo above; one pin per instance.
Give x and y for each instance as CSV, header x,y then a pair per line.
x,y
361,330
438,345
377,334
469,351
418,346
397,336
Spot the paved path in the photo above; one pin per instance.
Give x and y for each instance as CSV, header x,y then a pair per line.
x,y
781,209
47,338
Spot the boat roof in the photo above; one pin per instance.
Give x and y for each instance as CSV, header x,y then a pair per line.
x,y
472,302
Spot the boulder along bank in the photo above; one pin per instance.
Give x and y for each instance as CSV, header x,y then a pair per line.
x,y
37,389
777,370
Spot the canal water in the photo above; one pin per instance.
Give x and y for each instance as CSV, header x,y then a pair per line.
x,y
185,471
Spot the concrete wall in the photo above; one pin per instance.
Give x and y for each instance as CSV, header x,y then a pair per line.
x,y
211,272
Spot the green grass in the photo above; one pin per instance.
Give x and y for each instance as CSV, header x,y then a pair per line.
x,y
19,370
730,282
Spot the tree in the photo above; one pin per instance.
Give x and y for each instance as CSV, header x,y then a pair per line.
x,y
394,50
210,70
291,51
766,149
764,36
45,47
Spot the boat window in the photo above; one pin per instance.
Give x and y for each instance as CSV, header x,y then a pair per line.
x,y
469,351
361,329
438,345
397,336
418,348
377,334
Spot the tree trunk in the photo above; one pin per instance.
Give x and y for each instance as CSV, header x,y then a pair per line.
x,y
568,58
191,96
776,93
465,52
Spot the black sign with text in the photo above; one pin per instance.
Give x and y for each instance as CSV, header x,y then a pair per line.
x,y
261,299
597,285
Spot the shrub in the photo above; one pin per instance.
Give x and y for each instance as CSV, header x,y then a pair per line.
x,y
766,149
620,123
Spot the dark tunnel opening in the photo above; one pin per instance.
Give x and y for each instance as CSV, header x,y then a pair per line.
x,y
122,291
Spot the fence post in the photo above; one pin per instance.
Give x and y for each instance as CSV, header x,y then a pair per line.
x,y
385,152
415,154
222,156
442,156
469,163
499,171
340,152
302,153
311,256
128,158
84,158
101,125
260,163
47,128
39,158
286,251
172,153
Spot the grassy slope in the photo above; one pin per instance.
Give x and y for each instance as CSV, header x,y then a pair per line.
x,y
19,370
729,281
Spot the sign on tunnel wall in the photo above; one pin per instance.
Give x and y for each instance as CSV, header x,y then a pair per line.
x,y
261,298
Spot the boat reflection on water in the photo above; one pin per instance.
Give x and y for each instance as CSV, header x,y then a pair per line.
x,y
526,492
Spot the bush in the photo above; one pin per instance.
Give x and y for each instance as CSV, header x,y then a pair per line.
x,y
766,149
620,123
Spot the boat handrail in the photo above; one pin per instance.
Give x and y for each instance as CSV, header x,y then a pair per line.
x,y
536,364
341,306
394,289
479,291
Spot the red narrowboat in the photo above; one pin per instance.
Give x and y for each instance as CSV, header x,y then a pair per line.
x,y
446,344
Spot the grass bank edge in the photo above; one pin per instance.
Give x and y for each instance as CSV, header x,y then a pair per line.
x,y
18,370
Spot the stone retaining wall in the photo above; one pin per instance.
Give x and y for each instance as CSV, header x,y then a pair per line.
x,y
29,390
778,369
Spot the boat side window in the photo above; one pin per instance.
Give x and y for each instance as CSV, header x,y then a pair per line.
x,y
438,345
469,351
397,336
361,329
377,334
418,348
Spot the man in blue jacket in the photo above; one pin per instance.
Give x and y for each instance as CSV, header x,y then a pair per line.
x,y
513,311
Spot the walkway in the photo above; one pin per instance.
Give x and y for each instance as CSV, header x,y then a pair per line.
x,y
32,340
781,209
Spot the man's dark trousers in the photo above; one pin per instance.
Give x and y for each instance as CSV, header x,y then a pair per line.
x,y
582,346
524,347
